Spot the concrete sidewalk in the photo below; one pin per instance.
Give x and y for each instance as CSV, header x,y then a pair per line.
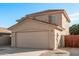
x,y
72,51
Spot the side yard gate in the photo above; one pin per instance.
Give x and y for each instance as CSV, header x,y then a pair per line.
x,y
71,41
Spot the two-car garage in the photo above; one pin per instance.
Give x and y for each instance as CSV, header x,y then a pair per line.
x,y
32,34
36,39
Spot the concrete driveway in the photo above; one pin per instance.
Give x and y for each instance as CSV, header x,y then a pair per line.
x,y
8,51
72,51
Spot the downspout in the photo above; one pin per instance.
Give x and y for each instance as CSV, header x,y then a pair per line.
x,y
48,39
15,40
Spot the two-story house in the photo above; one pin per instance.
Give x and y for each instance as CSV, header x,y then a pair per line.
x,y
41,30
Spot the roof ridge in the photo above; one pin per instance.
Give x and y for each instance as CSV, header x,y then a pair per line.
x,y
43,11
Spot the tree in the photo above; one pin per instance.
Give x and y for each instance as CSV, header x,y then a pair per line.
x,y
74,29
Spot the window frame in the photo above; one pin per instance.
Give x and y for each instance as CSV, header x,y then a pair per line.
x,y
53,21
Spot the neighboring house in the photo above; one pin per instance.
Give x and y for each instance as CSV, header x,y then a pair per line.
x,y
41,30
5,37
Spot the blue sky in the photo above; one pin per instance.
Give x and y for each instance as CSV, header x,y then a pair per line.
x,y
9,12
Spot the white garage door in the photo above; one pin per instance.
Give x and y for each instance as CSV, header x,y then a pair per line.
x,y
32,39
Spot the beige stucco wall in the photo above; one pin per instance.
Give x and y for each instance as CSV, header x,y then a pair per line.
x,y
44,18
51,39
65,24
31,25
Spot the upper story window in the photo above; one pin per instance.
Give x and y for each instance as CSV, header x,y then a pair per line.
x,y
53,19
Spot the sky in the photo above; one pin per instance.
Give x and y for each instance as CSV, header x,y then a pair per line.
x,y
10,12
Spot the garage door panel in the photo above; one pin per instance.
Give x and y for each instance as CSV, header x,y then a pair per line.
x,y
32,39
